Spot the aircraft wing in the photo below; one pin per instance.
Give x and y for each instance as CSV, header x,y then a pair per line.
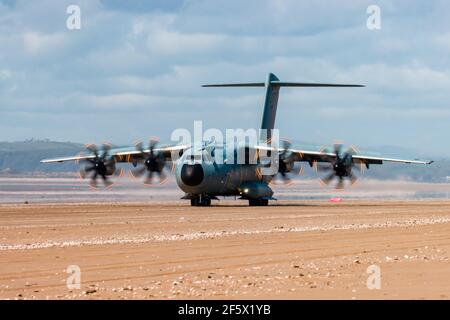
x,y
358,158
122,154
314,156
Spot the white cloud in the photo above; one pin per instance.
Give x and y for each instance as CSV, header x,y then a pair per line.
x,y
4,74
166,42
37,43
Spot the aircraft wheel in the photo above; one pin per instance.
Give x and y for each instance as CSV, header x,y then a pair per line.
x,y
258,202
195,201
200,202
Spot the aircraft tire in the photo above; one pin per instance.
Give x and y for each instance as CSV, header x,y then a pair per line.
x,y
258,202
194,202
200,202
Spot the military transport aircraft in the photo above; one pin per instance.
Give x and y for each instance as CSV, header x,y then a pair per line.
x,y
203,180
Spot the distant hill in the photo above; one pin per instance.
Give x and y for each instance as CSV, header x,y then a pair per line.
x,y
23,158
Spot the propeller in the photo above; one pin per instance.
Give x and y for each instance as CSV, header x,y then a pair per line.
x,y
101,165
340,167
152,162
286,164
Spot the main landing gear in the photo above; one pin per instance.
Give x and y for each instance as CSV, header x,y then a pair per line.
x,y
258,202
205,201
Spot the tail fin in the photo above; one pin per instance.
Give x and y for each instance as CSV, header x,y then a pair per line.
x,y
270,105
272,86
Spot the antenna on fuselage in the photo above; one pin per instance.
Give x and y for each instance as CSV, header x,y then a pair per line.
x,y
273,85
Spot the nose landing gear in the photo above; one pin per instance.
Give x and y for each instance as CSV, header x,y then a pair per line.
x,y
200,201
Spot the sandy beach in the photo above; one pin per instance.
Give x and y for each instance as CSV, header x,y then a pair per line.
x,y
169,250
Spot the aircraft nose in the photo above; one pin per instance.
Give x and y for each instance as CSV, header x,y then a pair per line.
x,y
192,174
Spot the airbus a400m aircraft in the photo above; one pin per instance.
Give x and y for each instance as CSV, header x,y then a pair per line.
x,y
203,180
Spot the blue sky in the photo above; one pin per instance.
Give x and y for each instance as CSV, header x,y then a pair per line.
x,y
134,69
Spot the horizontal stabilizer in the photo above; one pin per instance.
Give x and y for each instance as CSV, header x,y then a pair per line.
x,y
281,84
306,84
255,84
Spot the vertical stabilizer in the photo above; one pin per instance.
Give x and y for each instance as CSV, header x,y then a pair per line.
x,y
270,105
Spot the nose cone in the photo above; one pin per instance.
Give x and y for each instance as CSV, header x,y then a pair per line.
x,y
192,174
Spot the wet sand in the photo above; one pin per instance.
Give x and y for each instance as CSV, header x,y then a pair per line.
x,y
126,190
169,250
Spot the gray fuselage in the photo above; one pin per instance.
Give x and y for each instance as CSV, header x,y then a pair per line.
x,y
219,178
